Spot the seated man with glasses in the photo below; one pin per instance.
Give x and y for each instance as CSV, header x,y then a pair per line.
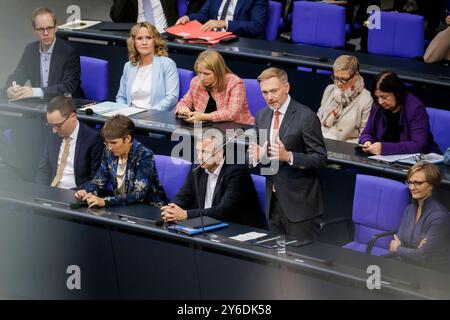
x,y
424,232
127,172
48,67
346,104
73,151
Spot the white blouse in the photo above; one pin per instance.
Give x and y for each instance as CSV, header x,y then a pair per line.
x,y
142,87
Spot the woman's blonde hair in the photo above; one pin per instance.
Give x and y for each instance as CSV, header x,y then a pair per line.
x,y
160,45
430,170
213,61
346,63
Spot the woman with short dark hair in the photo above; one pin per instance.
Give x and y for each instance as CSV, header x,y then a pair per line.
x,y
424,233
127,173
398,121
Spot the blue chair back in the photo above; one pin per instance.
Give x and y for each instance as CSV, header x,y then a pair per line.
x,y
172,173
318,24
378,207
273,20
254,96
185,77
94,78
400,35
440,127
260,187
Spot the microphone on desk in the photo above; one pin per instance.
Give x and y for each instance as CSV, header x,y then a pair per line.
x,y
89,112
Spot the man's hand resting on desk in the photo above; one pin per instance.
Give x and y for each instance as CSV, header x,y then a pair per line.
x,y
372,148
91,199
19,92
173,213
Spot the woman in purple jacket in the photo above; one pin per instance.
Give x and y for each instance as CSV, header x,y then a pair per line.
x,y
398,121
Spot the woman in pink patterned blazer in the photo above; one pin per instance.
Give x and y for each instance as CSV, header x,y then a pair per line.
x,y
215,94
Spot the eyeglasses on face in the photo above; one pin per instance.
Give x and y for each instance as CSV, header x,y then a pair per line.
x,y
58,125
113,143
415,183
341,80
44,30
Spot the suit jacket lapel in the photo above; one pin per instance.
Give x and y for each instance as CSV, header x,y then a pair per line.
x,y
156,67
266,122
36,82
53,62
202,180
288,117
219,182
239,6
131,76
77,149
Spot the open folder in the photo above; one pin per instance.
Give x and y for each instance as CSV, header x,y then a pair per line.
x,y
191,33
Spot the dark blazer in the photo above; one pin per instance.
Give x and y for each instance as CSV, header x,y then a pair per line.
x,y
234,200
88,153
297,186
434,225
249,19
127,10
64,73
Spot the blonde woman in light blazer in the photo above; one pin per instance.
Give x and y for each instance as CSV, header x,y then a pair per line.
x,y
346,104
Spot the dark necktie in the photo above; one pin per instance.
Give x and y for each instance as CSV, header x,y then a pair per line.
x,y
225,10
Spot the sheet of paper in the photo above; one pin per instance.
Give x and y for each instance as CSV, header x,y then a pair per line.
x,y
78,24
249,236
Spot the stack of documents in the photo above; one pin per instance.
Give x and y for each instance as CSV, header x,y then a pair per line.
x,y
191,33
411,158
109,109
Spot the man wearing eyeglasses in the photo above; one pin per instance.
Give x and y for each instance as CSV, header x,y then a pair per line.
x,y
73,151
48,67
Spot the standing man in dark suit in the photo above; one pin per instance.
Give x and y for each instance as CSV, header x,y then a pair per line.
x,y
294,141
51,66
161,13
219,189
73,152
245,18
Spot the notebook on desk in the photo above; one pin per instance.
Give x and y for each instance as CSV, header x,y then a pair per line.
x,y
194,226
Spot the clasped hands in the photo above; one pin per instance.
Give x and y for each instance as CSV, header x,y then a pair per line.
x,y
193,116
17,92
173,213
91,199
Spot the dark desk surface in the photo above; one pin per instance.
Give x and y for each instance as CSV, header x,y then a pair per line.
x,y
403,279
289,54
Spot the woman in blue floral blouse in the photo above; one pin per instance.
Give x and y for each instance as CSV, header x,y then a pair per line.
x,y
127,173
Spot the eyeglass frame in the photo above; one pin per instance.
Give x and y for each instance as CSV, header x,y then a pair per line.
x,y
42,30
416,184
340,80
58,125
106,143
